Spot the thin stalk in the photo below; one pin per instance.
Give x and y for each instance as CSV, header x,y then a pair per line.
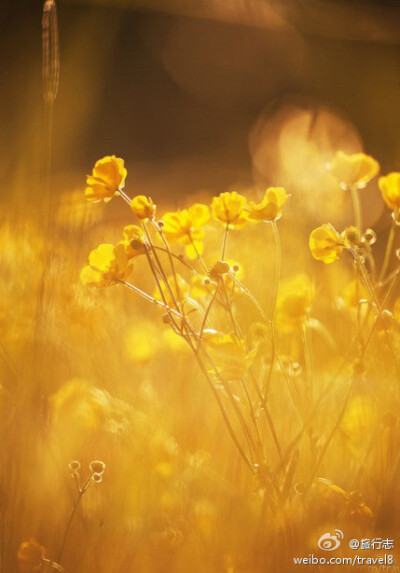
x,y
356,207
152,300
224,241
326,395
237,410
307,358
160,268
206,314
203,264
249,295
393,275
268,416
330,437
220,404
388,251
235,325
394,278
253,417
125,197
171,261
239,335
70,520
278,264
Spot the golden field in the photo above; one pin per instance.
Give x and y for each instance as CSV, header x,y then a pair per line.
x,y
195,377
241,394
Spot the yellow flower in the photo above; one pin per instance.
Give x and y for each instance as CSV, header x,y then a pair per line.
x,y
354,170
390,189
30,556
270,208
108,264
107,179
294,301
326,243
134,241
143,207
185,227
229,208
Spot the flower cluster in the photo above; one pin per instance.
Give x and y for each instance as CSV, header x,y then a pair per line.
x,y
197,289
354,172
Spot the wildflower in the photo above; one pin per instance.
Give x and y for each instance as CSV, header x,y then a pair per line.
x,y
108,264
185,227
354,170
143,207
229,208
270,208
30,556
107,179
390,189
134,241
294,301
326,244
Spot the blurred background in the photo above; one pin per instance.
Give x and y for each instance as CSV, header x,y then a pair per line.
x,y
201,95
